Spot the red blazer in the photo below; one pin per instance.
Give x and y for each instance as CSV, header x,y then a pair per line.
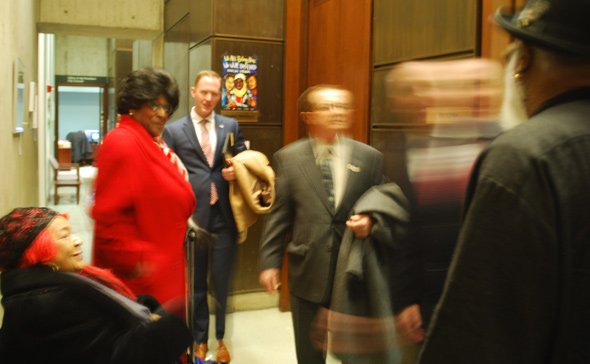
x,y
141,208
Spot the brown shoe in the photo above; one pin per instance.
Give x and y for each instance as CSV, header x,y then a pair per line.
x,y
201,351
222,353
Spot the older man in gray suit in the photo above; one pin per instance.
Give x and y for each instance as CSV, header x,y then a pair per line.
x,y
318,181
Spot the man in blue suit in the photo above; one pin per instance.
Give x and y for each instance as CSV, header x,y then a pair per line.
x,y
198,141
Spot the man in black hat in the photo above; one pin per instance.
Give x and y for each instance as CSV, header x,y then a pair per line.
x,y
518,288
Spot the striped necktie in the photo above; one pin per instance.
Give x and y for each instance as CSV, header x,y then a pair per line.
x,y
208,152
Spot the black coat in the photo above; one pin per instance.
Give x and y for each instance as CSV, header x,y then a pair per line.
x,y
54,317
518,288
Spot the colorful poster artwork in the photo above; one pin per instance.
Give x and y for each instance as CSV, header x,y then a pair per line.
x,y
239,87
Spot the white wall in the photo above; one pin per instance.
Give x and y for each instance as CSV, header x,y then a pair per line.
x,y
81,56
18,152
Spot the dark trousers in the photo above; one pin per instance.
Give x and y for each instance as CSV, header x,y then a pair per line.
x,y
303,313
219,257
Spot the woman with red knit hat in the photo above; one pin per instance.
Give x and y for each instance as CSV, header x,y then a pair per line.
x,y
57,309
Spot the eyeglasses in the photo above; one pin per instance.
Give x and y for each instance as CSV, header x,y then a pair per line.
x,y
168,109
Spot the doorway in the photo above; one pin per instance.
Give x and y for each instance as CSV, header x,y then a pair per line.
x,y
80,121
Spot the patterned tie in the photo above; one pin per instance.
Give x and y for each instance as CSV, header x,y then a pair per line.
x,y
206,147
173,158
325,164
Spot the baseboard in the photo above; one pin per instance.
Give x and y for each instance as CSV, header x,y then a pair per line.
x,y
250,301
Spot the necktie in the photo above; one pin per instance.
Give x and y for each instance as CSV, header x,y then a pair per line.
x,y
173,158
325,164
208,152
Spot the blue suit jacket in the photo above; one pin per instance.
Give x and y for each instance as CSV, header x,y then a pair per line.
x,y
181,137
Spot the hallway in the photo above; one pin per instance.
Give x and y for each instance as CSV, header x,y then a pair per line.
x,y
255,337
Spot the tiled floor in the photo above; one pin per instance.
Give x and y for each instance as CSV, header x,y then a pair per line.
x,y
253,337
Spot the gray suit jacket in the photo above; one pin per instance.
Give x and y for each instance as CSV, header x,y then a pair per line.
x,y
181,138
302,208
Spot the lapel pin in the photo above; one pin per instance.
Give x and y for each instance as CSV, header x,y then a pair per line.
x,y
353,168
221,126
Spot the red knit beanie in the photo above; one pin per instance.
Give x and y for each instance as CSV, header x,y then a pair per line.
x,y
18,229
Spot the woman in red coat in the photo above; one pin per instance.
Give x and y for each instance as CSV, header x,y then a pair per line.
x,y
142,197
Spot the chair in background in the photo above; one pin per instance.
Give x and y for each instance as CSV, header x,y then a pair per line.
x,y
65,175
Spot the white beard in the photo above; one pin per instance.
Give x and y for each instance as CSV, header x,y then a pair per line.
x,y
513,111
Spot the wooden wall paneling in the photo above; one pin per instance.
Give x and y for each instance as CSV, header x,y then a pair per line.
x,y
255,19
339,52
295,69
269,74
260,19
405,30
176,60
324,43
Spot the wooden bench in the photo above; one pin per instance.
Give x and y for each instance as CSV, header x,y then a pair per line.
x,y
65,175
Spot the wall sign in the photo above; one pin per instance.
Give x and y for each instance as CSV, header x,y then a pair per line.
x,y
83,80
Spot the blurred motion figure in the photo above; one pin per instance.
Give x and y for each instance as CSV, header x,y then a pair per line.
x,y
458,104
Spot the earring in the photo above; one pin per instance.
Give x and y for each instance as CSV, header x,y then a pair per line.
x,y
516,76
131,113
53,267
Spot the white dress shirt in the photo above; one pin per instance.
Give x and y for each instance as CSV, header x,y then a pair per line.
x,y
340,158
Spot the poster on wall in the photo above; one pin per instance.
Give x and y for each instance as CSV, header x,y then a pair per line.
x,y
240,84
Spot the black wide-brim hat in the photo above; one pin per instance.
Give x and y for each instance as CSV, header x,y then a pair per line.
x,y
559,25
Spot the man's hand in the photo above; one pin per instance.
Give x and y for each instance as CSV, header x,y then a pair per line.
x,y
409,325
270,279
360,225
228,172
